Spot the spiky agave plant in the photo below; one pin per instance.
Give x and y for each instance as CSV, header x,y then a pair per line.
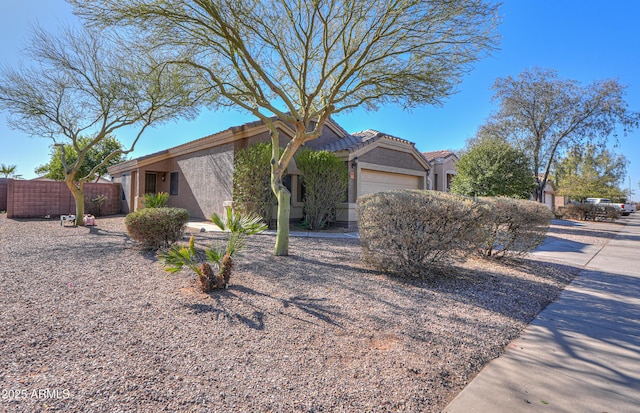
x,y
239,226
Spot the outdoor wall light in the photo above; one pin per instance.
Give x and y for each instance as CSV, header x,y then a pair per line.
x,y
354,162
164,176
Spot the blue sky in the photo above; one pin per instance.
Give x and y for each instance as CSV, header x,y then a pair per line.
x,y
584,40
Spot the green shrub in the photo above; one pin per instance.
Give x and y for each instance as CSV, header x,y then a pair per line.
x,y
239,226
588,212
252,192
513,226
157,200
325,179
157,227
408,232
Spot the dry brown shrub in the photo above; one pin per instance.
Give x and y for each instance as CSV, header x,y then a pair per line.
x,y
513,227
588,212
408,232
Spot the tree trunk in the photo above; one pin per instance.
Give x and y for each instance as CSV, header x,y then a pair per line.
x,y
539,192
207,277
225,270
278,168
284,211
78,196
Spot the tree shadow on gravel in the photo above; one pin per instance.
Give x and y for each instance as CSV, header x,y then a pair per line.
x,y
519,297
332,265
316,271
313,307
255,321
316,308
95,230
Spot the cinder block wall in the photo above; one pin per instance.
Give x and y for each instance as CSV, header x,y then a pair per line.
x,y
3,194
30,199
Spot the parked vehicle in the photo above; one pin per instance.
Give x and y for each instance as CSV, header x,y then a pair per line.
x,y
632,208
625,209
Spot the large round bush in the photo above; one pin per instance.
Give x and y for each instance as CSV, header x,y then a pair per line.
x,y
157,227
408,232
513,226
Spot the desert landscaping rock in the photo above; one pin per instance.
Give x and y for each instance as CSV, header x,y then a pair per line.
x,y
90,322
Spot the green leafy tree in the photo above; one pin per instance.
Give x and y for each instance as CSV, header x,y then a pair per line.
x,y
545,115
493,167
591,172
93,159
325,179
252,192
80,87
8,170
301,61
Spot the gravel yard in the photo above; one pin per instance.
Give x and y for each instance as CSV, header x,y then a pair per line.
x,y
90,323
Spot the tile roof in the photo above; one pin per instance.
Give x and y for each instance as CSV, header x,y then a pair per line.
x,y
358,140
431,156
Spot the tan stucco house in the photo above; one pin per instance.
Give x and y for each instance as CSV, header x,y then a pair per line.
x,y
198,174
549,196
443,169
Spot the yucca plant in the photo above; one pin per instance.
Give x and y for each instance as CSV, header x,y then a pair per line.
x,y
239,227
157,200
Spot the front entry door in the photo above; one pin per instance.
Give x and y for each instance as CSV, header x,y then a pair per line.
x,y
150,183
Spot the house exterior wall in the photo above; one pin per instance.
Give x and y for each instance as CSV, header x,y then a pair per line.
x,y
390,157
200,172
29,199
259,138
205,178
125,181
197,174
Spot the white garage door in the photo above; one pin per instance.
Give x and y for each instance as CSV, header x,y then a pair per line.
x,y
376,181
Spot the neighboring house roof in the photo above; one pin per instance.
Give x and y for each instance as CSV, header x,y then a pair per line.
x,y
434,155
549,185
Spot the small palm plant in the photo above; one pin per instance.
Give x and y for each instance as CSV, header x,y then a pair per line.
x,y
240,228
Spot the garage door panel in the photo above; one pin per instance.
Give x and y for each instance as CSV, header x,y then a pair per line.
x,y
377,181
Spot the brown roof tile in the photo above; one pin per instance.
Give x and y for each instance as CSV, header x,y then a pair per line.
x,y
431,156
358,140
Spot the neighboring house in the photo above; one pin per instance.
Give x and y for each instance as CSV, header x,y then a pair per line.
x,y
443,169
198,175
550,198
549,194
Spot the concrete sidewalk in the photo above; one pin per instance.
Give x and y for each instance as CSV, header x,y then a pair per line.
x,y
582,353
